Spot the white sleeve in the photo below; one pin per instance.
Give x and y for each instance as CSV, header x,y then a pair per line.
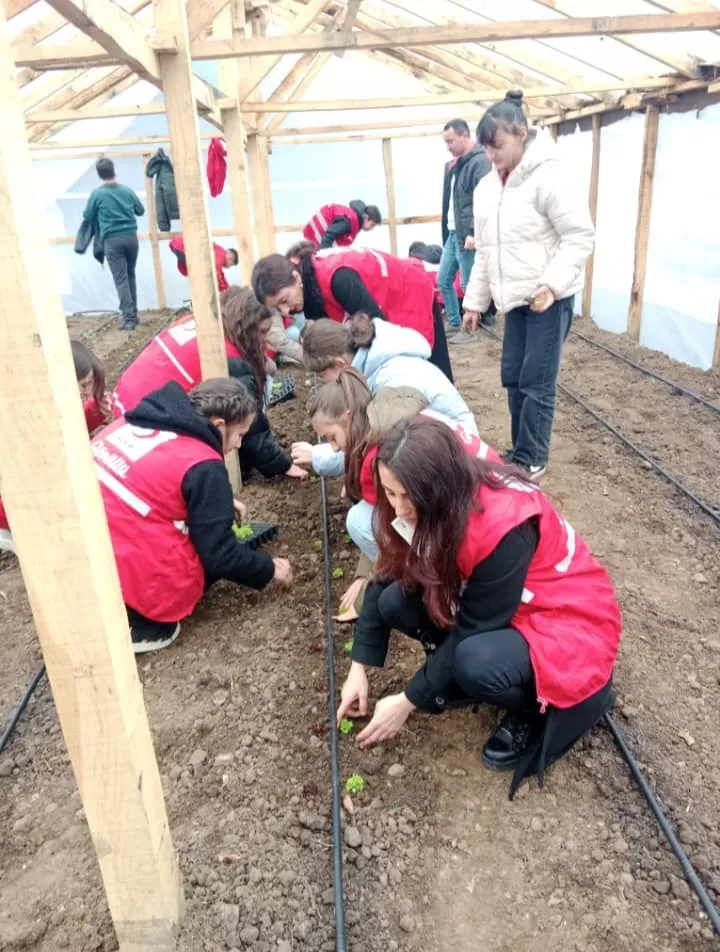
x,y
326,462
477,293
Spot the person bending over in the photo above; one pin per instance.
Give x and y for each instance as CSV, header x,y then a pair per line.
x,y
224,258
505,597
170,506
341,224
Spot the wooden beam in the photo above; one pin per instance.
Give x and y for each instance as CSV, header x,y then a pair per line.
x,y
107,143
436,124
465,32
177,84
237,175
258,181
70,577
99,112
594,182
13,7
316,67
390,194
154,240
716,349
642,230
286,85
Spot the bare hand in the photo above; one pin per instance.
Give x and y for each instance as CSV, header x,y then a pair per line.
x,y
542,299
283,572
296,473
105,405
301,453
470,321
240,510
470,243
390,714
347,602
354,694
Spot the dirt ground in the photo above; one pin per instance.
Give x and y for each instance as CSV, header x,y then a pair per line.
x,y
436,857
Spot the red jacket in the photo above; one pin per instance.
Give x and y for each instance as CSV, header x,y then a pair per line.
x,y
216,166
472,445
141,473
172,354
324,217
402,291
433,270
177,245
568,615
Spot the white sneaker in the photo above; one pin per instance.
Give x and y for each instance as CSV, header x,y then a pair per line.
x,y
7,543
537,471
157,644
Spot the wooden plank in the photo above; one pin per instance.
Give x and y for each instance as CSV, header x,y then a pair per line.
x,y
107,143
642,231
99,112
13,7
258,182
70,574
716,349
594,182
238,183
177,84
390,193
154,241
288,83
463,32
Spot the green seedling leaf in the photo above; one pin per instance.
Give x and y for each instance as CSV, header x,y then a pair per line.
x,y
348,646
317,544
346,539
354,784
346,726
337,573
343,610
242,532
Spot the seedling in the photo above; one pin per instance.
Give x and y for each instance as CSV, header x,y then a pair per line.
x,y
343,610
346,726
354,784
313,479
346,539
242,532
337,573
348,646
317,544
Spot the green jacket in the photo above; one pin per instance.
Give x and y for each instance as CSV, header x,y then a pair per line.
x,y
113,209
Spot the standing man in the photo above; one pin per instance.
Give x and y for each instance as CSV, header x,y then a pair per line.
x,y
341,224
112,210
462,173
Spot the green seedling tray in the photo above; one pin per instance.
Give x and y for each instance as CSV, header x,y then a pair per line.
x,y
263,532
283,389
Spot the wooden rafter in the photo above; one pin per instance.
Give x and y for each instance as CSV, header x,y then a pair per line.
x,y
316,67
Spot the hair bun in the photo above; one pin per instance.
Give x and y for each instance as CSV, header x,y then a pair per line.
x,y
514,96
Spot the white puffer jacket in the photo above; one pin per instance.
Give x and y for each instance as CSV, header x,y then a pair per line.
x,y
534,231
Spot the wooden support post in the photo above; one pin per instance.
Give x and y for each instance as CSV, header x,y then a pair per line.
x,y
390,193
716,349
154,240
267,192
594,181
70,574
642,230
259,201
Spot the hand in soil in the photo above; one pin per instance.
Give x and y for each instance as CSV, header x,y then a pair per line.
x,y
295,472
240,511
390,714
283,572
301,453
347,611
354,694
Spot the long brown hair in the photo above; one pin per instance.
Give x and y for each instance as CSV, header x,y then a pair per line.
x,y
324,341
348,394
242,313
86,361
442,482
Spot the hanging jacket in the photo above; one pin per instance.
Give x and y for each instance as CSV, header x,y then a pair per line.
x,y
216,166
166,201
335,224
177,246
173,354
403,293
89,232
534,230
466,171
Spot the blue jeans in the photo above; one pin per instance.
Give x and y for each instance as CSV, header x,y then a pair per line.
x,y
532,346
360,530
453,257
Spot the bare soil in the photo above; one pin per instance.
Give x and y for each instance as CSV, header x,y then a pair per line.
x,y
436,857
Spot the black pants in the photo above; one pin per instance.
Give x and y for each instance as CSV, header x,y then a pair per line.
x,y
121,252
492,667
145,629
440,355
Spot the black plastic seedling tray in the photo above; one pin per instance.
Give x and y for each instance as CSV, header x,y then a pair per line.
x,y
263,532
283,389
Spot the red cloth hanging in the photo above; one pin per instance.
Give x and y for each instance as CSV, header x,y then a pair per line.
x,y
216,166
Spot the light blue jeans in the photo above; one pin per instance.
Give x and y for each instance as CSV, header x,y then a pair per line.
x,y
295,329
359,527
454,257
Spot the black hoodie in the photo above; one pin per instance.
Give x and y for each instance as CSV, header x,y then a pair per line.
x,y
340,226
206,490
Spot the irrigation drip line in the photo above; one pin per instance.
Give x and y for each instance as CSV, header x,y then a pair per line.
x,y
15,716
688,869
708,510
645,370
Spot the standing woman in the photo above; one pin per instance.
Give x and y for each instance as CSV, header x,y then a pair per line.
x,y
343,283
508,602
533,235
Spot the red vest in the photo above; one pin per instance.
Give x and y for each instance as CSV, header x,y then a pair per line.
x,y
178,244
141,473
172,355
322,219
402,291
568,615
472,445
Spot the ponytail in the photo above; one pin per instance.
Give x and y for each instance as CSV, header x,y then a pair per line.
x,y
242,313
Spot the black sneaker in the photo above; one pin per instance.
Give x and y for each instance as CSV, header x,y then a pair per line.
x,y
129,325
505,746
146,640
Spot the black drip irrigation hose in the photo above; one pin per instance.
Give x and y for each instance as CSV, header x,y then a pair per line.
x,y
15,716
688,870
337,854
708,510
647,371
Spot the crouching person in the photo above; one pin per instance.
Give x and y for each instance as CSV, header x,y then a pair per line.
x,y
170,506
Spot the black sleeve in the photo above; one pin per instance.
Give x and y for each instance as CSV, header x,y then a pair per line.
x,y
488,603
350,292
479,170
259,449
372,636
337,228
208,496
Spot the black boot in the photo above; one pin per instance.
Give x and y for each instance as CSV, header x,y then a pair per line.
x,y
505,746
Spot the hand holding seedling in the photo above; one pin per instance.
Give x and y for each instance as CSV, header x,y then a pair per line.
x,y
388,718
542,299
301,453
354,694
295,472
283,572
347,611
240,510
